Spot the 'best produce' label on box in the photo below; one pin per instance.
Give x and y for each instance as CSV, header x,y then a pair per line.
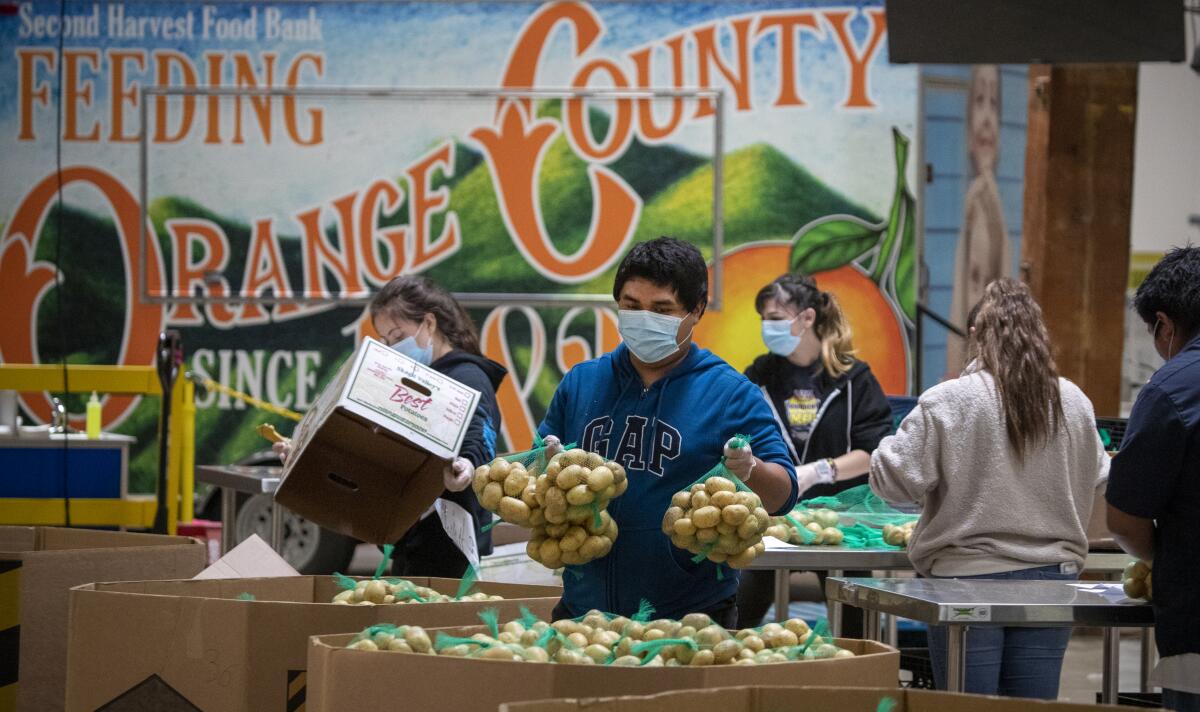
x,y
414,397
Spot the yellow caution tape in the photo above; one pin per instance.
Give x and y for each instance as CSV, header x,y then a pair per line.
x,y
245,398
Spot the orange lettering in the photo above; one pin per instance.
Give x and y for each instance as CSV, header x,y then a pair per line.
x,y
320,254
386,195
573,350
516,424
163,59
30,90
649,131
215,60
205,273
787,26
265,270
120,94
244,77
316,116
526,55
708,56
859,96
79,91
579,128
513,153
423,202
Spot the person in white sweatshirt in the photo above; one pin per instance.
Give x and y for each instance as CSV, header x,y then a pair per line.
x,y
1005,462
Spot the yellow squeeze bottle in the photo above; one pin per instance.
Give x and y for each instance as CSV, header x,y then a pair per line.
x,y
93,417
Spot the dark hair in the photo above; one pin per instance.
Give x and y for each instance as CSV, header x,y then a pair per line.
x,y
667,262
831,327
1011,343
1173,288
412,296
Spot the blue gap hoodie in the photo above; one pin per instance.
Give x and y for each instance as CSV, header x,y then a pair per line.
x,y
666,436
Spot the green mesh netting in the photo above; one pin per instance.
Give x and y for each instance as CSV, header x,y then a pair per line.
x,y
859,505
720,470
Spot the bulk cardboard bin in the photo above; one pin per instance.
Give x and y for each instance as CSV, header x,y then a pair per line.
x,y
203,645
38,567
809,699
342,679
367,458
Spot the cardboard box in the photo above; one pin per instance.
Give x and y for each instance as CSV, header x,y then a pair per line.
x,y
809,699
367,458
342,679
194,645
38,567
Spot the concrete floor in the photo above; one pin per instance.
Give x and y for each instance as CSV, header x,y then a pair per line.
x,y
1081,675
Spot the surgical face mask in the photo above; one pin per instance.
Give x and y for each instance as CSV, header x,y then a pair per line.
x,y
649,336
1154,336
409,347
777,335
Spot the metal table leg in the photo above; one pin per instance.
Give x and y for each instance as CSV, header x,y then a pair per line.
x,y
956,659
835,612
783,594
277,513
870,624
1112,666
228,519
1147,658
890,635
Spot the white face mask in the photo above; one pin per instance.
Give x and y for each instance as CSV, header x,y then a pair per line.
x,y
777,335
650,336
409,347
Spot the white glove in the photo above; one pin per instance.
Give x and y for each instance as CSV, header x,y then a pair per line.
x,y
457,474
740,461
553,445
808,476
283,449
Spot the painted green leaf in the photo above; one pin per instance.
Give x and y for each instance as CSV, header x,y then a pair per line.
x,y
906,262
832,243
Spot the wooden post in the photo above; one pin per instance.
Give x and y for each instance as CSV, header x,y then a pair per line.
x,y
1078,196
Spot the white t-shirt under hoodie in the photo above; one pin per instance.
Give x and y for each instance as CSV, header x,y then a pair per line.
x,y
985,510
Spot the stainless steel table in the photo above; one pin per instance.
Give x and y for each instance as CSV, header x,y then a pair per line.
x,y
784,558
251,480
961,604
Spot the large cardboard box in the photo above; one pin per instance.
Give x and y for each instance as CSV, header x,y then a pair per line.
x,y
809,699
368,456
198,645
344,679
38,567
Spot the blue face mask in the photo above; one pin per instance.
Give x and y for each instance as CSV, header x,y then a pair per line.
x,y
649,336
777,335
409,347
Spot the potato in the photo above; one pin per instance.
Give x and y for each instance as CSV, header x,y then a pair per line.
x,y
710,635
574,456
703,657
742,559
550,551
750,527
749,500
600,479
557,530
843,653
515,483
480,480
683,500
499,469
725,651
598,653
726,529
706,536
534,654
514,510
684,527
570,477
734,514
418,640
797,626
580,494
364,644
722,499
578,639
706,517
832,536
595,547
672,515
754,643
700,499
375,591
627,661
621,487
719,484
492,494
826,518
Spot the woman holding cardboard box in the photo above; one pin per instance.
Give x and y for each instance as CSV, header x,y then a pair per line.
x,y
422,321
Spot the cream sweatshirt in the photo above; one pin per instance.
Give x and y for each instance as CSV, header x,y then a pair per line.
x,y
984,509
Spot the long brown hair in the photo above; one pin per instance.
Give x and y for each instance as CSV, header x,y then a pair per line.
x,y
412,296
831,327
1009,340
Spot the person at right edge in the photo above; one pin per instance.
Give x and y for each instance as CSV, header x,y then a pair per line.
x,y
1006,462
1154,491
829,407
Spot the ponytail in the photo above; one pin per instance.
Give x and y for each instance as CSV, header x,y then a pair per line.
x,y
831,326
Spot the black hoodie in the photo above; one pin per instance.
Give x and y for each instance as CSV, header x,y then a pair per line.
x,y
853,414
479,444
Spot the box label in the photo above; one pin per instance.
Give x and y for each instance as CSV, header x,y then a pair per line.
x,y
412,396
971,614
459,527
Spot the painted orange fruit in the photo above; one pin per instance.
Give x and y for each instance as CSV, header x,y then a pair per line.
x,y
734,332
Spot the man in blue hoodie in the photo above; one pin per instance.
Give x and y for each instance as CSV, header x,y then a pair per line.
x,y
665,410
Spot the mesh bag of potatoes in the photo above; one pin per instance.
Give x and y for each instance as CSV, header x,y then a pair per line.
x,y
855,518
1137,580
380,591
603,639
718,517
563,500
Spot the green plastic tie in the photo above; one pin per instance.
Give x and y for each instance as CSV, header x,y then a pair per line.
x,y
491,618
644,613
488,527
820,630
708,548
344,582
653,647
597,520
469,579
449,641
887,704
528,619
245,597
387,556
